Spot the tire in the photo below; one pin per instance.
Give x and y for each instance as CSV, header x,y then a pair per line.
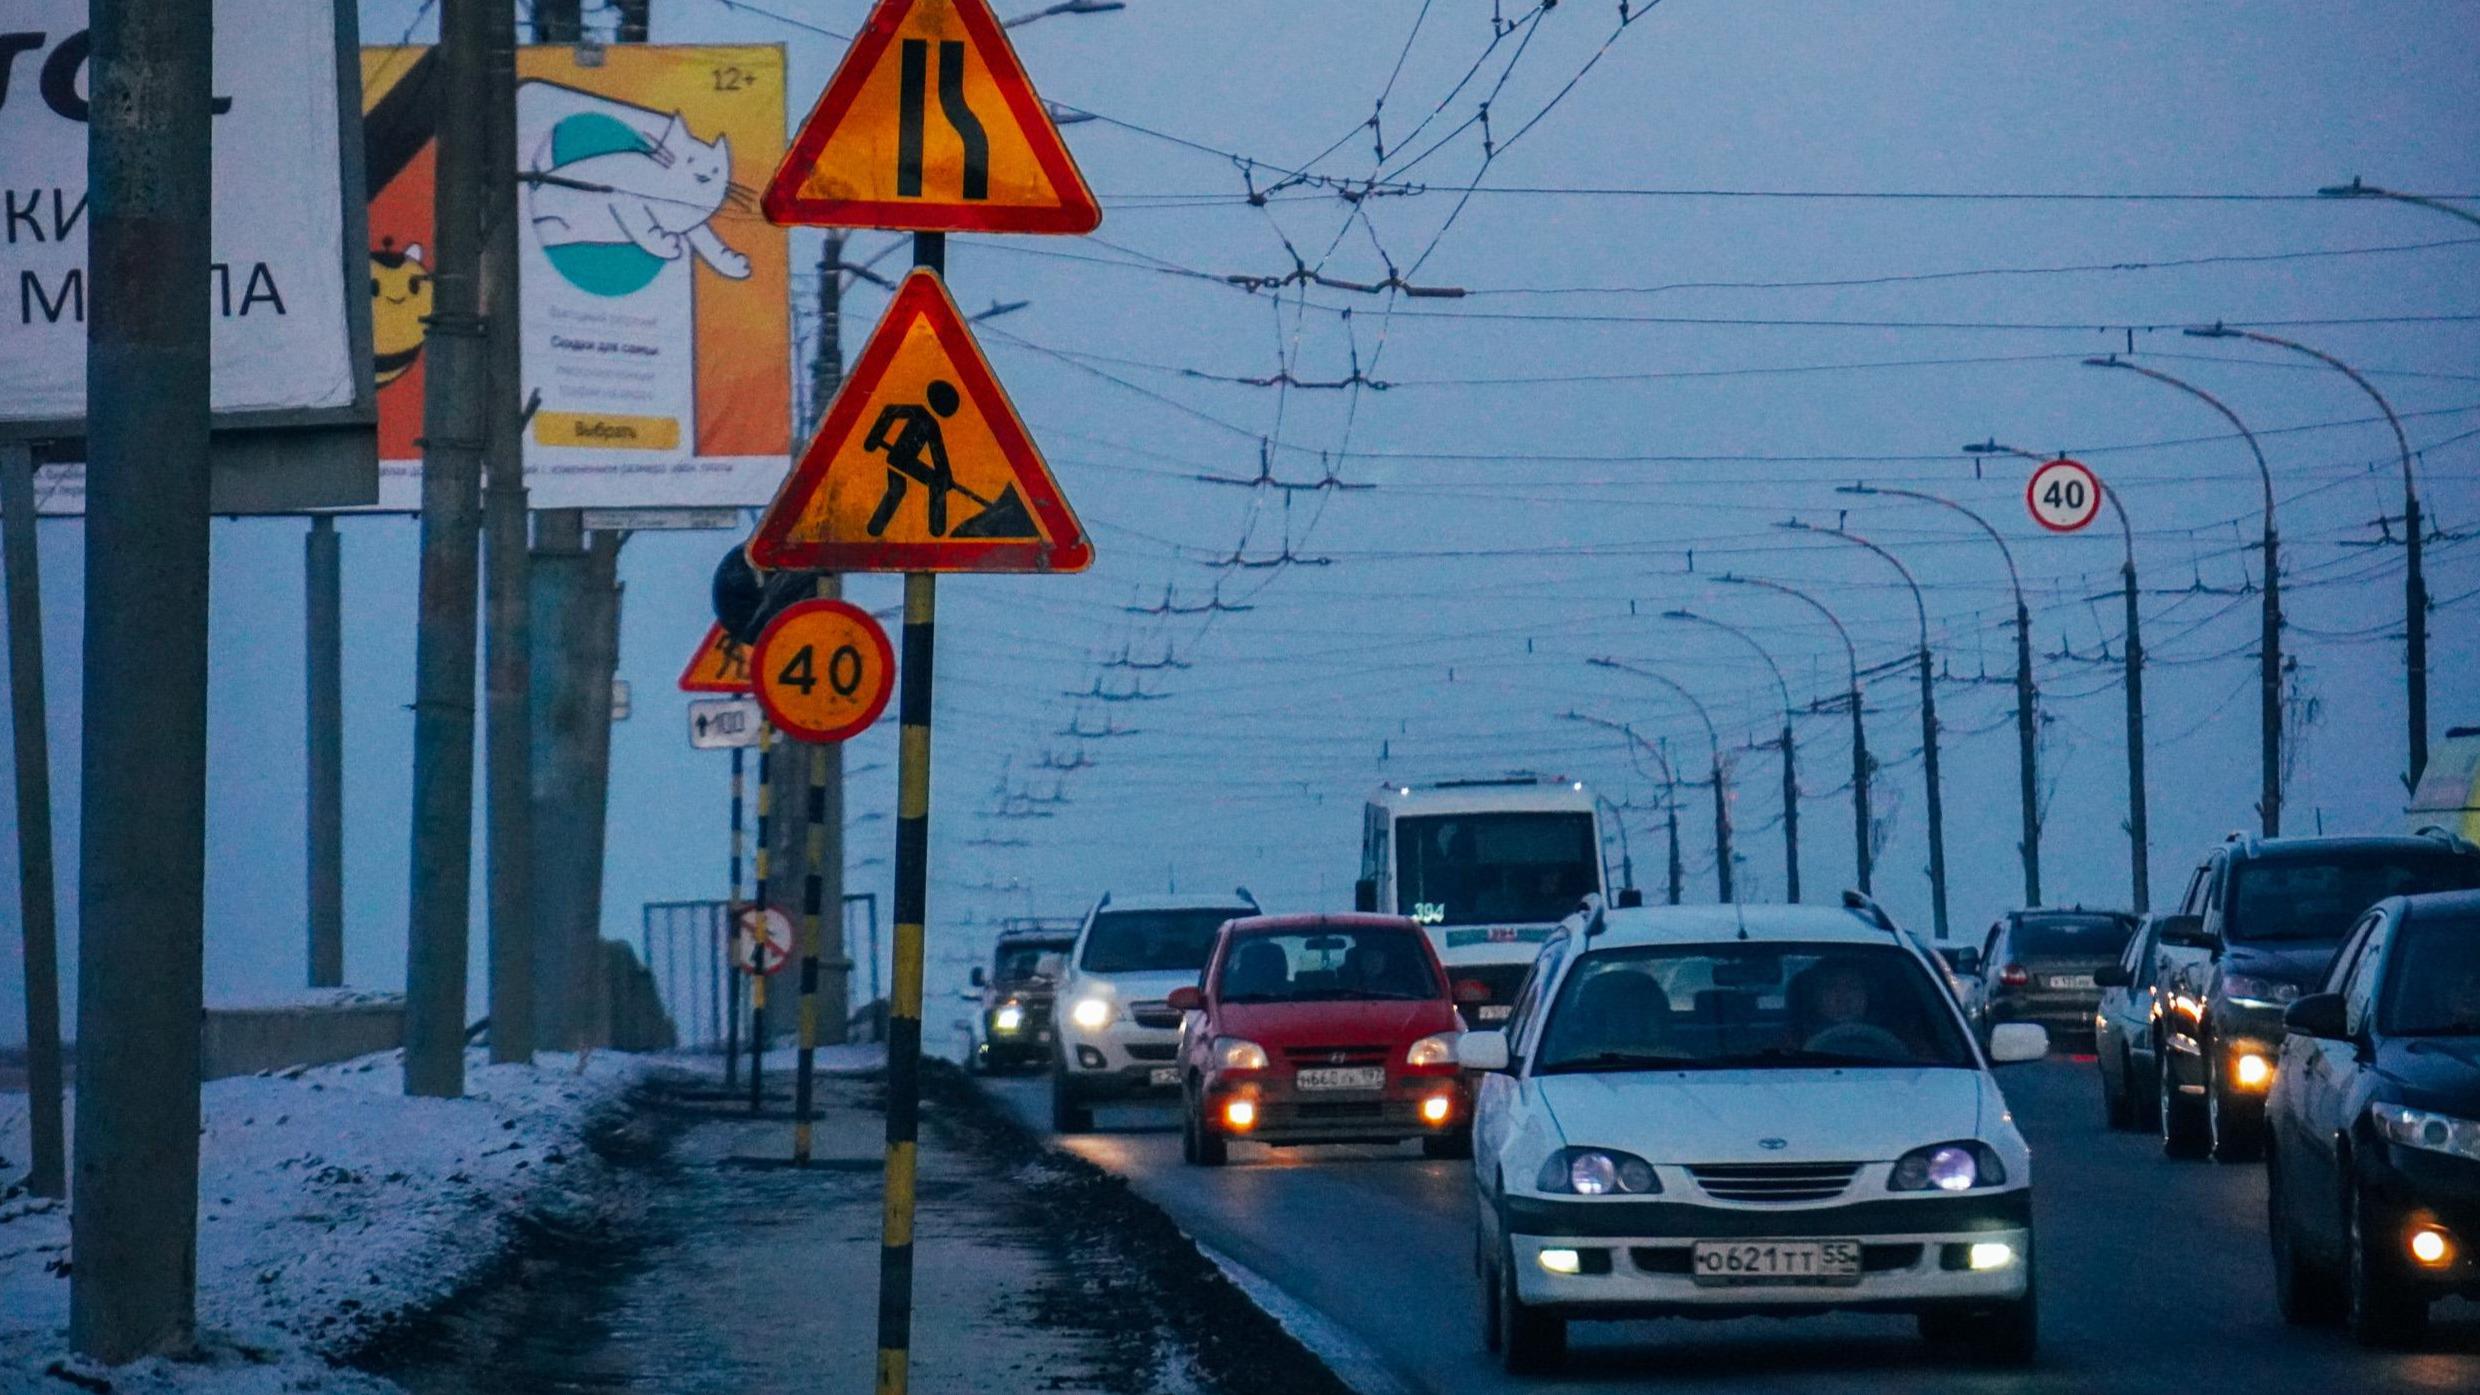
x,y
2381,1310
2145,1104
1447,1145
2182,1120
2117,1108
2237,1131
2307,1293
2009,1335
1199,1145
1530,1341
1492,1335
1069,1114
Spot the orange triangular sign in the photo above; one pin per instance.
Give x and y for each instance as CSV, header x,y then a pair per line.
x,y
720,665
930,125
922,464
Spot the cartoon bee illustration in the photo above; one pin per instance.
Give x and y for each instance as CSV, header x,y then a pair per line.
x,y
400,298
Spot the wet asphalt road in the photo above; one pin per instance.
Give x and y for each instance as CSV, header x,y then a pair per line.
x,y
2153,1273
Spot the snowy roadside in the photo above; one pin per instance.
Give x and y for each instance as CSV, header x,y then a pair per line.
x,y
331,1207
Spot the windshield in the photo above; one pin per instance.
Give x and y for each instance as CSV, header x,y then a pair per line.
x,y
2317,898
1740,1006
1017,962
1328,964
1505,869
2072,936
1136,942
2432,977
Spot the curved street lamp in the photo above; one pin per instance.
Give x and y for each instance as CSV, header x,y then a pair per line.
x,y
2027,697
1928,717
1790,757
1668,777
1722,783
1861,859
2269,647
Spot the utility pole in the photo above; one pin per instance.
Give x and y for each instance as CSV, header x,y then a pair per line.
x,y
2269,643
827,762
1722,781
323,713
454,428
508,776
133,1232
31,745
1790,757
1863,855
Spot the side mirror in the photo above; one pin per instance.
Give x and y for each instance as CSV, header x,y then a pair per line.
x,y
2187,932
2316,1015
1965,962
2011,1042
1481,1051
2113,976
1186,999
979,979
1631,897
1469,991
1365,895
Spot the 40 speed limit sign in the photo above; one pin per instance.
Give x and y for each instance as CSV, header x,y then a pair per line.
x,y
823,670
2063,495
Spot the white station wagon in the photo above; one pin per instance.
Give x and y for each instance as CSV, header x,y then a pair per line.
x,y
1730,1110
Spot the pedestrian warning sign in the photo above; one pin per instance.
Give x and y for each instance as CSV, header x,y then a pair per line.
x,y
930,125
922,464
720,665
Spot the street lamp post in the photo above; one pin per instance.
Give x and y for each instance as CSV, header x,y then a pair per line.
x,y
1928,719
1722,783
2269,647
1790,758
2139,841
1862,858
2415,585
1670,787
2027,697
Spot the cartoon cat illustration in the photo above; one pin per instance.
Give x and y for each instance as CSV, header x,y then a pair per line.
x,y
607,190
400,297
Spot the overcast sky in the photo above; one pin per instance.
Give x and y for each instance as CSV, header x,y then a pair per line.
x,y
1630,378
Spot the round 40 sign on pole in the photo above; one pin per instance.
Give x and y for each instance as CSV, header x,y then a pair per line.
x,y
824,670
2063,496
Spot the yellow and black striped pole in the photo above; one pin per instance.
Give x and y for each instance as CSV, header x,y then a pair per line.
x,y
757,929
733,902
895,1256
813,892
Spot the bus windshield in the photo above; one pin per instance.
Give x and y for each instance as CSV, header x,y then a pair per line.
x,y
1494,868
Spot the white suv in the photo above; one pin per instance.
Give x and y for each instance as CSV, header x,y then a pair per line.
x,y
1726,1110
1117,1038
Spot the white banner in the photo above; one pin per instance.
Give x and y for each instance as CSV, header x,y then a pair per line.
x,y
277,289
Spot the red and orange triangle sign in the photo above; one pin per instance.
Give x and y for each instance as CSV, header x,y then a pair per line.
x,y
922,464
930,125
720,665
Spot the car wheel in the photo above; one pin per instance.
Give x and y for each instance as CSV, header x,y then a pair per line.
x,y
2144,1100
1201,1146
1491,1337
2382,1310
2117,1110
2237,1130
2009,1335
1530,1341
2306,1292
2182,1117
1069,1114
1457,1144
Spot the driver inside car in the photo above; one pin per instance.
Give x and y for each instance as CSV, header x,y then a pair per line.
x,y
1834,1008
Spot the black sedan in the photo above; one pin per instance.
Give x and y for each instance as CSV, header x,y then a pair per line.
x,y
2374,1120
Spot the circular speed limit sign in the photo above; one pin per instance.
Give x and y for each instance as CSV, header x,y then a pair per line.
x,y
2063,495
824,670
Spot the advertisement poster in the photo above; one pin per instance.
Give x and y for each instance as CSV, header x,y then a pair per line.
x,y
276,290
655,299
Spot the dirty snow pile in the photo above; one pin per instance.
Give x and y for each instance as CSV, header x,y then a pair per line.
x,y
330,1204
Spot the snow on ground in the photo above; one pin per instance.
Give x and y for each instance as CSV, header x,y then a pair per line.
x,y
329,1205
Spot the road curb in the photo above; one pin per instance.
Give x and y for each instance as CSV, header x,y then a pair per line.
x,y
1353,1361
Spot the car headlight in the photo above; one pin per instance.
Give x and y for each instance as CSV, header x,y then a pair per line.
x,y
1947,1167
1008,1018
1434,1050
2248,988
1092,1014
1596,1172
2426,1130
1239,1053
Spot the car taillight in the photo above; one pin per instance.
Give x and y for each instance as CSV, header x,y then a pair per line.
x,y
2013,976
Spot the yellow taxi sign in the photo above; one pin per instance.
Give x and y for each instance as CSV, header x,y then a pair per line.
x,y
824,670
922,464
930,125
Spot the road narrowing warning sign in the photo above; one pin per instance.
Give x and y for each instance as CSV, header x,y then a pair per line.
x,y
2063,495
930,125
922,464
824,670
720,665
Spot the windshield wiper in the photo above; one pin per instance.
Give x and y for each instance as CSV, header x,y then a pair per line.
x,y
1622,1060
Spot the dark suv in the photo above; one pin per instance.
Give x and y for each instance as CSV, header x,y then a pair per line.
x,y
1011,1026
2259,922
2038,966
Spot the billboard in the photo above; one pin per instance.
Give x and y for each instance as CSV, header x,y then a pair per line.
x,y
655,301
283,334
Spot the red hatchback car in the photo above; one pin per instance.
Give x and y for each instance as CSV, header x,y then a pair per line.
x,y
1322,1029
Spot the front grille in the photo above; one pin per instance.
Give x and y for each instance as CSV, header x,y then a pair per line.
x,y
1336,1055
1774,1182
1159,1016
1152,1051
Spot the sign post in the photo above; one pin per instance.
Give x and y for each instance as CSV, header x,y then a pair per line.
x,y
922,465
